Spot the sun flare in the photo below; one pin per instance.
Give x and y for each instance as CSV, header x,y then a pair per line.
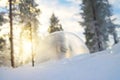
x,y
26,50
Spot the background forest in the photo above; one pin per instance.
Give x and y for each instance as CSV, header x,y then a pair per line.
x,y
23,24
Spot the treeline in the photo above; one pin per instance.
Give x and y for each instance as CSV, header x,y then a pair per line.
x,y
23,12
97,24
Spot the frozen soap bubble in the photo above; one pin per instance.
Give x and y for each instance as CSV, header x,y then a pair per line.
x,y
61,44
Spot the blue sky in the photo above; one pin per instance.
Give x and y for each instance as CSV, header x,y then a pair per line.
x,y
65,10
116,10
63,1
3,10
115,5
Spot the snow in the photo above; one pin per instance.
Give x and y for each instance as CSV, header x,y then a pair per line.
x,y
59,45
104,65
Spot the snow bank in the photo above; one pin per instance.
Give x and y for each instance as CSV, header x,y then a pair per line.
x,y
99,66
116,48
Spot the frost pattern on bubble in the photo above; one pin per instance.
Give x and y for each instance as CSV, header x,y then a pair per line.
x,y
60,45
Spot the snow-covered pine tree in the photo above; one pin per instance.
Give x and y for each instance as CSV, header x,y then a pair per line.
x,y
4,49
111,25
54,24
95,13
2,19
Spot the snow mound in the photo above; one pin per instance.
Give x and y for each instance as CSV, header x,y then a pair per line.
x,y
60,45
116,48
98,66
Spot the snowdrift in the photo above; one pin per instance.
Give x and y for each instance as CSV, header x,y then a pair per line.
x,y
104,65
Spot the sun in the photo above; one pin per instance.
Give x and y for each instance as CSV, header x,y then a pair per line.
x,y
26,51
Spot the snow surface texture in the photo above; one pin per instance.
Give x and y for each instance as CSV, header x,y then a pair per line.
x,y
59,45
103,65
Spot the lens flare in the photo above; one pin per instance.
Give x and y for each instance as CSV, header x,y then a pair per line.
x,y
27,51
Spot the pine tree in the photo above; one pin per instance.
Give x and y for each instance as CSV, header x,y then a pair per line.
x,y
5,59
28,13
2,20
112,26
54,24
95,13
2,43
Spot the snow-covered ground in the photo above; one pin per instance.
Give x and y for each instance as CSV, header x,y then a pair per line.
x,y
103,65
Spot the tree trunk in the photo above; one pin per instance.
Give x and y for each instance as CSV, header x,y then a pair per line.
x,y
115,37
32,53
11,34
97,34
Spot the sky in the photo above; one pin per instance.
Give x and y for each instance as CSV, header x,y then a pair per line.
x,y
116,10
67,12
